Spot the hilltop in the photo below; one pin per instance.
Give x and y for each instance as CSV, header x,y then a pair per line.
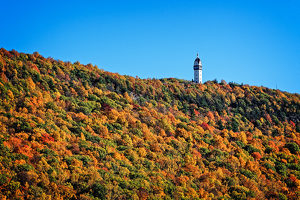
x,y
73,131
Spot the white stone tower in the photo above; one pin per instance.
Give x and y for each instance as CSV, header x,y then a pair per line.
x,y
197,70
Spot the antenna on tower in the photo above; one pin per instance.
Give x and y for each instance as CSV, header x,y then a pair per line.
x,y
197,54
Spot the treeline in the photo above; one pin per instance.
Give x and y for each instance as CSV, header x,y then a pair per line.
x,y
73,131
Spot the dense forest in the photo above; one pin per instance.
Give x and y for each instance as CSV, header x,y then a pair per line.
x,y
73,131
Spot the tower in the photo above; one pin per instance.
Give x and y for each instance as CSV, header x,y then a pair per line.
x,y
197,70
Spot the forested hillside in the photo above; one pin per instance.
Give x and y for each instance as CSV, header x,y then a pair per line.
x,y
73,131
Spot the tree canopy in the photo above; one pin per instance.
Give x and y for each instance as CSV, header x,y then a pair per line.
x,y
73,131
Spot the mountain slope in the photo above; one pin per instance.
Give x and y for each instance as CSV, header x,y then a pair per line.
x,y
73,131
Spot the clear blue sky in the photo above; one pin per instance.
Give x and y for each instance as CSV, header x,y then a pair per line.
x,y
255,42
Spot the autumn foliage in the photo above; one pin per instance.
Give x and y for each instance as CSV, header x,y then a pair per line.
x,y
73,131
